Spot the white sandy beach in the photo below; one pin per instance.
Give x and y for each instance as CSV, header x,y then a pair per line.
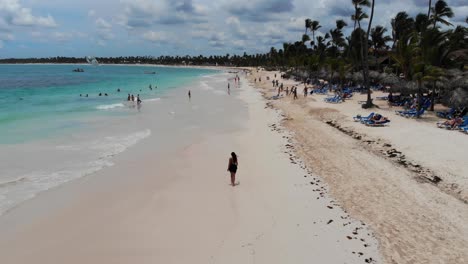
x,y
414,219
177,206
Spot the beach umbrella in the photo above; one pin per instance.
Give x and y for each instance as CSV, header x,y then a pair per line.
x,y
357,77
390,79
374,75
460,82
459,97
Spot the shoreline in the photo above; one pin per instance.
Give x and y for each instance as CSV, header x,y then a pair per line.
x,y
136,211
397,197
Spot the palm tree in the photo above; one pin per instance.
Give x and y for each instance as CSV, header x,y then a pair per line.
x,y
307,23
421,22
314,26
337,37
357,17
379,41
440,11
433,74
366,53
402,24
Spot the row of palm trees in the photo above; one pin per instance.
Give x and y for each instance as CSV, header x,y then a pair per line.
x,y
421,49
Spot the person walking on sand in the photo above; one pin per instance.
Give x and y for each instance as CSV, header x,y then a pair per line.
x,y
232,167
305,91
295,93
189,95
229,89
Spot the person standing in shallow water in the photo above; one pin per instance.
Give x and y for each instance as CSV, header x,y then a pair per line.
x,y
232,167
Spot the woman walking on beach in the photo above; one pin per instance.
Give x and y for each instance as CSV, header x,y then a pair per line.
x,y
232,167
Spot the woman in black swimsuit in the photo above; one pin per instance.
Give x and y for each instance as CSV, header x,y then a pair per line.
x,y
232,167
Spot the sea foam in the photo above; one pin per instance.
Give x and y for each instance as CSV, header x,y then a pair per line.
x,y
24,187
109,106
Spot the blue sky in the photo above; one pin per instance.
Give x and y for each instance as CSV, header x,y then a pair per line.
x,y
44,28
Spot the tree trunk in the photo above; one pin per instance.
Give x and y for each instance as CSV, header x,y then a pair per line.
x,y
313,39
429,10
365,59
433,96
419,107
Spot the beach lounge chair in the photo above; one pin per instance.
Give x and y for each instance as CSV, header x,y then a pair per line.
x,y
360,118
414,114
445,114
404,112
335,99
464,124
383,98
373,123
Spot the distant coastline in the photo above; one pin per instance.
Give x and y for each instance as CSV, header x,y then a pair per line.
x,y
213,67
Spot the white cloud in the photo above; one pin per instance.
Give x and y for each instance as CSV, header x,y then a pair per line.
x,y
14,14
104,30
236,27
5,37
101,23
217,40
62,36
155,36
145,13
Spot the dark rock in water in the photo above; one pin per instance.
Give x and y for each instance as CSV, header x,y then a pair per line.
x,y
329,207
329,222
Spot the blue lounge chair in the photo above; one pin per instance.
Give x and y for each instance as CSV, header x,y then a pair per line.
x,y
373,123
464,125
359,118
446,113
415,113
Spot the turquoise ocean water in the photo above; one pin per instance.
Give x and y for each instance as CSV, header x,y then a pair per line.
x,y
50,135
40,101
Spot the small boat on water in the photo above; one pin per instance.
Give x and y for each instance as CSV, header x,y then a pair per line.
x,y
149,72
78,70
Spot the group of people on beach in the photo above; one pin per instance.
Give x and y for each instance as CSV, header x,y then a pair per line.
x,y
292,91
132,98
